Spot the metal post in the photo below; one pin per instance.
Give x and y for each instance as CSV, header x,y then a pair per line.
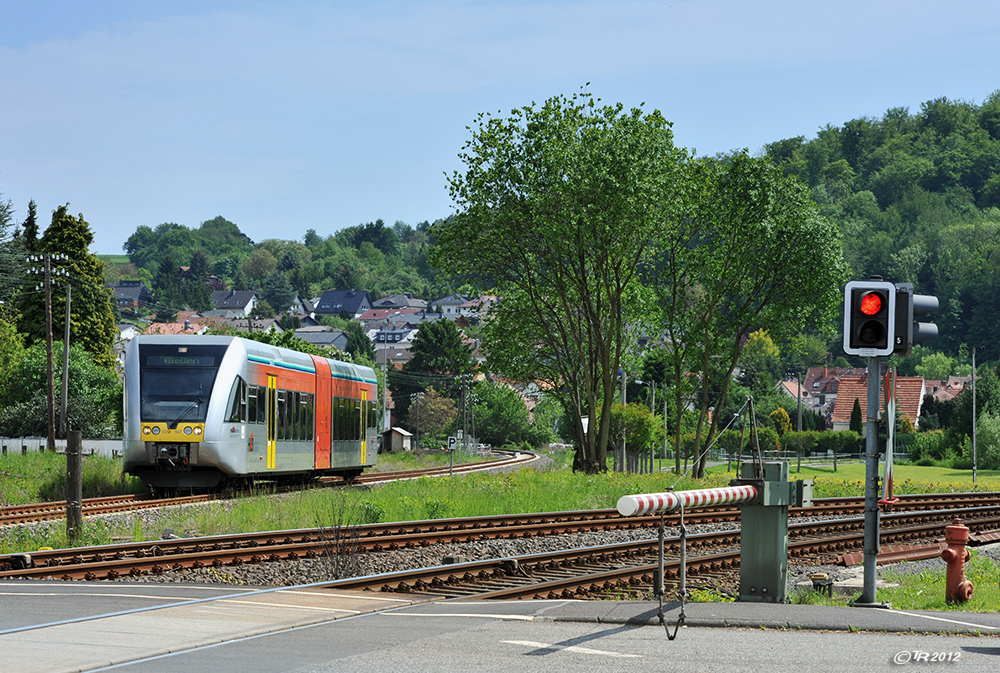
x,y
74,484
652,411
974,456
871,543
624,459
798,377
386,417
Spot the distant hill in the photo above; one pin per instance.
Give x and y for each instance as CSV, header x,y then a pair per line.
x,y
917,199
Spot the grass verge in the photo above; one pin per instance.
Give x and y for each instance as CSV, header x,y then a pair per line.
x,y
925,589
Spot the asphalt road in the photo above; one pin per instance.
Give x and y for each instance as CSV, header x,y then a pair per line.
x,y
485,639
304,629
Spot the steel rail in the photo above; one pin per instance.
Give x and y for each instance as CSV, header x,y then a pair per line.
x,y
531,577
113,561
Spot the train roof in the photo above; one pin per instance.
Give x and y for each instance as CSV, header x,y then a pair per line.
x,y
263,352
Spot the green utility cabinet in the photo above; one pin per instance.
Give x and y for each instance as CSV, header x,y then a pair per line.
x,y
764,530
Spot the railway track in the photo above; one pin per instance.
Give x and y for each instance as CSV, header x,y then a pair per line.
x,y
15,514
164,556
629,568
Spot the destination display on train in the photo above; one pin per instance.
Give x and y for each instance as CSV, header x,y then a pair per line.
x,y
180,361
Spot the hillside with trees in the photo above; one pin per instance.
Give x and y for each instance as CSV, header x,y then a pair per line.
x,y
916,197
375,257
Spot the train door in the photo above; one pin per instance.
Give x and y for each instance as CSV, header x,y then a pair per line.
x,y
322,415
362,408
272,420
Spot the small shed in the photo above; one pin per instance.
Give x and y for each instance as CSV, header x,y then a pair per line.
x,y
397,439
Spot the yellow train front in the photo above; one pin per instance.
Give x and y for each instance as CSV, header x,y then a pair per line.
x,y
201,411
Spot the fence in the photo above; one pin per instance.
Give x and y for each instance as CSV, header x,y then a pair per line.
x,y
109,448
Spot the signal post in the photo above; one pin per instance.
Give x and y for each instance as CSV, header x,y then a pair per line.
x,y
878,322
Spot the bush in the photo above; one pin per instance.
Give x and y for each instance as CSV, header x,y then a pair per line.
x,y
370,512
988,441
837,442
769,440
931,444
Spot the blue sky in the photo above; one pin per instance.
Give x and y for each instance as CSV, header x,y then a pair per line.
x,y
285,116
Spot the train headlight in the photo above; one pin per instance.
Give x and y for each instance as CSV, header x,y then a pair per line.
x,y
197,431
156,430
187,430
146,430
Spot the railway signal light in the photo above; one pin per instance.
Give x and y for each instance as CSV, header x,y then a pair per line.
x,y
869,317
909,305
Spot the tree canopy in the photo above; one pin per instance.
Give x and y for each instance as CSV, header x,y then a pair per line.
x,y
92,316
558,206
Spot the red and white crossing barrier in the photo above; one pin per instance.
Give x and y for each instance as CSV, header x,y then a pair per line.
x,y
654,503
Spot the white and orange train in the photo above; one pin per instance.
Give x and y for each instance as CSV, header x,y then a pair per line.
x,y
203,411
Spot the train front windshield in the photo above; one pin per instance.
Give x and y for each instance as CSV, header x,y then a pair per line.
x,y
175,381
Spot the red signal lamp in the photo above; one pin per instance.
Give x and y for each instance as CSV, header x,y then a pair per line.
x,y
871,303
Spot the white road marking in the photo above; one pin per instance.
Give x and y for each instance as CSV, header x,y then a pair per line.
x,y
289,606
327,594
571,648
484,615
95,594
557,601
942,619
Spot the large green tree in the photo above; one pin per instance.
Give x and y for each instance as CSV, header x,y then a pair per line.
x,y
92,317
753,253
168,294
278,291
501,416
195,289
557,207
358,342
30,227
11,352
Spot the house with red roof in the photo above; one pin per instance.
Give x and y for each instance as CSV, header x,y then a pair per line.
x,y
909,394
948,389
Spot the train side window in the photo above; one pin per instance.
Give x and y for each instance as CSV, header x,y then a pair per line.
x,y
282,408
294,413
339,412
300,410
352,420
308,409
251,404
335,418
236,397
